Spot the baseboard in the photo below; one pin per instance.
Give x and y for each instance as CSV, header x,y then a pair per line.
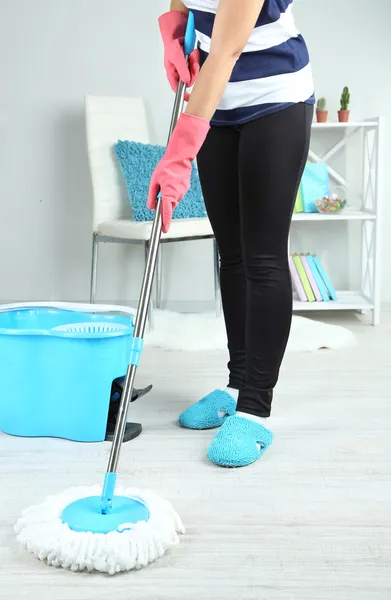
x,y
179,306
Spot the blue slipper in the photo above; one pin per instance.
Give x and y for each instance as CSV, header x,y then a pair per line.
x,y
239,442
205,414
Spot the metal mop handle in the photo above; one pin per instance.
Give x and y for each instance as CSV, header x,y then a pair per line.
x,y
145,296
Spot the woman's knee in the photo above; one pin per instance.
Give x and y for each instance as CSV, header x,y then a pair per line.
x,y
269,269
231,259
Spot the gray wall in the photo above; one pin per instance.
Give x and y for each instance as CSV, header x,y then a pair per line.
x,y
52,53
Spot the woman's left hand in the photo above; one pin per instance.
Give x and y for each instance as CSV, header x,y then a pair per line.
x,y
172,175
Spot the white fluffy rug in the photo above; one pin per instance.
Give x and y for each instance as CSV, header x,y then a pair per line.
x,y
204,332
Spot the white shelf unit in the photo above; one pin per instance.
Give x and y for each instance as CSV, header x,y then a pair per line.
x,y
367,211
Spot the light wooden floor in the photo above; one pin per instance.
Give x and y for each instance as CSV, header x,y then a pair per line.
x,y
310,521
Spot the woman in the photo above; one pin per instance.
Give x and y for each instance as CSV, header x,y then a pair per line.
x,y
248,122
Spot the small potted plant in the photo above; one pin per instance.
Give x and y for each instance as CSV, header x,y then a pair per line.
x,y
343,114
321,112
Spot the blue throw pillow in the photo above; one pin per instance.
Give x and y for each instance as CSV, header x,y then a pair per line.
x,y
138,162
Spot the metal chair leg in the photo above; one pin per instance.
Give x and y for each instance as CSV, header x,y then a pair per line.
x,y
216,261
150,307
94,268
159,278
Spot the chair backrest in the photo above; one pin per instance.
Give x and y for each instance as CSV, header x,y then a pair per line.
x,y
109,119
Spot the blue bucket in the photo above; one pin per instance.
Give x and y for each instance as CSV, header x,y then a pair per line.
x,y
57,369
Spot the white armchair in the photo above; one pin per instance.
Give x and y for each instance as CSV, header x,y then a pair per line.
x,y
109,119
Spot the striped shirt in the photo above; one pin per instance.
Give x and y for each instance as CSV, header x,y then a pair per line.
x,y
273,71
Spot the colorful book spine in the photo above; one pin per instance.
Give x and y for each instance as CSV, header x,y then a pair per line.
x,y
314,287
325,278
296,281
303,278
319,281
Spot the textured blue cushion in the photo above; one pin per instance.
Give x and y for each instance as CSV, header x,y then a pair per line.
x,y
138,162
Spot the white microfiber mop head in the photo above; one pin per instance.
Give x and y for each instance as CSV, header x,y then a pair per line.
x,y
41,531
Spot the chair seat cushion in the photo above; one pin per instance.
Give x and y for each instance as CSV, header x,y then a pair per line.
x,y
138,162
141,231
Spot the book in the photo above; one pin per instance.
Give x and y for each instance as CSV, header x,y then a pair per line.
x,y
314,287
315,184
319,281
296,281
325,278
303,278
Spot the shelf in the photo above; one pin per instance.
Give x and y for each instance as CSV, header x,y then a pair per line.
x,y
363,208
346,215
346,301
337,125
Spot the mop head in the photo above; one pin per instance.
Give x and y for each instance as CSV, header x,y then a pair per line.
x,y
42,532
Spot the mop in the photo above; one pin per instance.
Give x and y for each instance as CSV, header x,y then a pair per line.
x,y
110,528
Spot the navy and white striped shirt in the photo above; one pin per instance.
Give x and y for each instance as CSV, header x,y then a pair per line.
x,y
272,73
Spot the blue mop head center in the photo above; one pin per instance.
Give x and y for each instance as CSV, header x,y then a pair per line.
x,y
85,514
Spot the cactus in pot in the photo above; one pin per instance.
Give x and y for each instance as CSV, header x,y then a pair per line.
x,y
321,112
344,112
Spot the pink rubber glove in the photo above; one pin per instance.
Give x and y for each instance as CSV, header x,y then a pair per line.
x,y
172,28
172,175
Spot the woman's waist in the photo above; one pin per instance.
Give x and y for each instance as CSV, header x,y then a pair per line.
x,y
286,87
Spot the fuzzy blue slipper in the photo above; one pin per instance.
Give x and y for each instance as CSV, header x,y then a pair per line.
x,y
206,414
239,442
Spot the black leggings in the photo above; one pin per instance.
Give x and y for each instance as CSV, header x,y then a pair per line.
x,y
250,175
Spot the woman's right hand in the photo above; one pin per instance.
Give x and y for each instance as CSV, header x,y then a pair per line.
x,y
172,28
172,175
